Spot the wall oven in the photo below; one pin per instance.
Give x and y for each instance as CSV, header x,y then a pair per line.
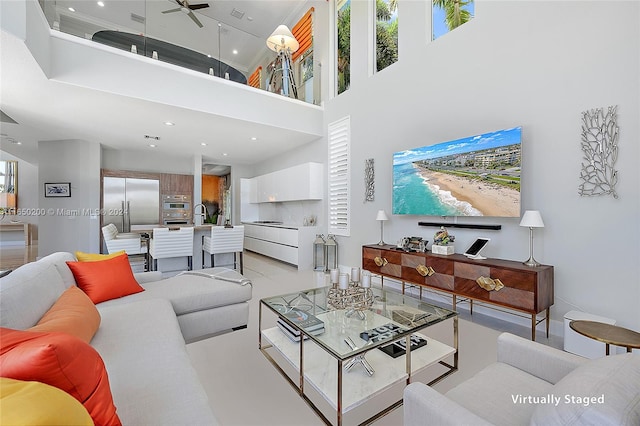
x,y
176,209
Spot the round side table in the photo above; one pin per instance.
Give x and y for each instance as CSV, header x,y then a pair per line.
x,y
608,334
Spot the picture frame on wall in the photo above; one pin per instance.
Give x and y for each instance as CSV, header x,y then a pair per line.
x,y
57,189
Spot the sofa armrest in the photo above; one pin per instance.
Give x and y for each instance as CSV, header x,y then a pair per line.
x,y
539,360
147,277
425,406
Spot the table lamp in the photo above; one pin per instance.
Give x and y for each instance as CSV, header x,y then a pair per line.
x,y
382,217
531,219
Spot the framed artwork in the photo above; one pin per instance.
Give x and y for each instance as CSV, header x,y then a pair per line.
x,y
307,66
58,189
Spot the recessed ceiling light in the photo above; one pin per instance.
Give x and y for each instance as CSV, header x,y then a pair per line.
x,y
235,52
152,145
208,56
71,9
224,154
254,138
101,3
203,144
169,123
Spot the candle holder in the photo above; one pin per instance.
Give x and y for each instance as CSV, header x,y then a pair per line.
x,y
348,295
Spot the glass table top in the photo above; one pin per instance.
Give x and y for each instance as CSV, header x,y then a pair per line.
x,y
391,316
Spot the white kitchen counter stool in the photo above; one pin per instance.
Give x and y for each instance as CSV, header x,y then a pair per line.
x,y
169,243
224,240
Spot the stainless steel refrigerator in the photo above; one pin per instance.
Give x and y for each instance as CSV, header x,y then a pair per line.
x,y
131,203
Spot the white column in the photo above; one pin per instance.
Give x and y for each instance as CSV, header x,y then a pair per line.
x,y
197,187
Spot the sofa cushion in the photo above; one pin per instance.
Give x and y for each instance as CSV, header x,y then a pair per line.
x,y
59,259
604,391
27,293
92,257
193,293
63,361
73,313
152,379
105,279
34,403
490,394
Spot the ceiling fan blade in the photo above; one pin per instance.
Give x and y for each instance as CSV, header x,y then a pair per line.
x,y
172,10
193,17
198,6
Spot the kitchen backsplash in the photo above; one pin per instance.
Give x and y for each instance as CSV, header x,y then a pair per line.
x,y
299,213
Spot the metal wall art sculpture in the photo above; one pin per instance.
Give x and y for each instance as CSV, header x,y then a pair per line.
x,y
369,182
600,147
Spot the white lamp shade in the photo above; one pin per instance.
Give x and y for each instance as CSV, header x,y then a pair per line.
x,y
381,215
282,39
532,219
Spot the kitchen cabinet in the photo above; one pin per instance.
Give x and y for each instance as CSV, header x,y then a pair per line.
x,y
288,244
176,184
297,183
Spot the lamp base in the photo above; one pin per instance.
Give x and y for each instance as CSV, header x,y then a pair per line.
x,y
382,243
531,262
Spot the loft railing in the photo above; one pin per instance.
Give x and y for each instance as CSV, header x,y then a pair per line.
x,y
216,48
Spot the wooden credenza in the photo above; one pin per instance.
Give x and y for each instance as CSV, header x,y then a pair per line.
x,y
526,289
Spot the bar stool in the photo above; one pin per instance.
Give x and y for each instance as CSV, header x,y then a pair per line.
x,y
131,243
168,243
224,240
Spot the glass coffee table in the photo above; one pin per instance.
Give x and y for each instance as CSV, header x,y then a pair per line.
x,y
351,357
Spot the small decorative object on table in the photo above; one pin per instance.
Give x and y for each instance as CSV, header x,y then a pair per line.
x,y
396,348
443,242
310,323
415,244
346,293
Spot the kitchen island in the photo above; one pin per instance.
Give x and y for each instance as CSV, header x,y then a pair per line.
x,y
173,265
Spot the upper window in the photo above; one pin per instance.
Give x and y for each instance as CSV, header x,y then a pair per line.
x,y
386,33
450,14
343,44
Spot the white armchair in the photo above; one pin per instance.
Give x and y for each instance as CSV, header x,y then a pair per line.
x,y
168,243
224,240
131,243
517,390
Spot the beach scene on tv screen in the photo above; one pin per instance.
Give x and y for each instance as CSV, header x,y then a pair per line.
x,y
474,176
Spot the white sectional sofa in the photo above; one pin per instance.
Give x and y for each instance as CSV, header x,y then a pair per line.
x,y
141,337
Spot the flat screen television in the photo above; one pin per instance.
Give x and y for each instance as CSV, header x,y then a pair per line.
x,y
474,176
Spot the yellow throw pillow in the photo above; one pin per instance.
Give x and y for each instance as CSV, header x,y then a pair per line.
x,y
92,257
35,403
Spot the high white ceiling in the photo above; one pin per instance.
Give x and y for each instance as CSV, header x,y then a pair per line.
x,y
50,110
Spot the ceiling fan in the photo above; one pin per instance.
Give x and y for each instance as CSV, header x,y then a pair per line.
x,y
187,8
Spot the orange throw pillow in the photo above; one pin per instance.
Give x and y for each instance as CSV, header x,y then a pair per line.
x,y
73,313
104,280
63,361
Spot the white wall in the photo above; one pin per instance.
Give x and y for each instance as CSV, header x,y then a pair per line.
x,y
534,64
149,161
61,229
